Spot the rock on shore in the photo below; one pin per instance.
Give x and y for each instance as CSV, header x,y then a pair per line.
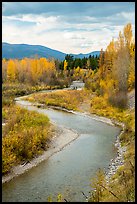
x,y
118,161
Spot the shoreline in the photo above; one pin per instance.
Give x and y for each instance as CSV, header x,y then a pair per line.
x,y
119,159
86,114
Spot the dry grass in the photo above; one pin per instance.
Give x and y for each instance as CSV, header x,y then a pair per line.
x,y
69,99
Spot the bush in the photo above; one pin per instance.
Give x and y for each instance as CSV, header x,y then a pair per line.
x,y
25,135
119,99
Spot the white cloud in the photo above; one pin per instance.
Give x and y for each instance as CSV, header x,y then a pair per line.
x,y
72,35
64,33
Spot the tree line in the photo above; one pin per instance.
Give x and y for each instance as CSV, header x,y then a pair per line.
x,y
70,62
47,71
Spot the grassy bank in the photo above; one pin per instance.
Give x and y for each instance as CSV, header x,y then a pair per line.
x,y
69,99
25,136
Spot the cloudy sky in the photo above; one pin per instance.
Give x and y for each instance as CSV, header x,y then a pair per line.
x,y
70,27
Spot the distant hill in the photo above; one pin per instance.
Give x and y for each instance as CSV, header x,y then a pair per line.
x,y
87,55
20,51
24,50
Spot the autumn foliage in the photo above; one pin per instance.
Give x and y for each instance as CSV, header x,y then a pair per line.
x,y
25,136
116,73
28,70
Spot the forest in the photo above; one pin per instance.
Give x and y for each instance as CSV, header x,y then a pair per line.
x,y
108,80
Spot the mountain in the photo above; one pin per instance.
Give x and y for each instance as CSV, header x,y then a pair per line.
x,y
24,50
86,55
20,51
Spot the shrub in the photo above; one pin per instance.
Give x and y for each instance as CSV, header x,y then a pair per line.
x,y
25,136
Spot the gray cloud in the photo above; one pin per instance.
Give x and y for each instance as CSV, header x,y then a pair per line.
x,y
67,8
72,13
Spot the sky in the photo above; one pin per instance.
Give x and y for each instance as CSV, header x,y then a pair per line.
x,y
69,27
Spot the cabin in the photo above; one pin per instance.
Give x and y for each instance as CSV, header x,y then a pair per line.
x,y
77,85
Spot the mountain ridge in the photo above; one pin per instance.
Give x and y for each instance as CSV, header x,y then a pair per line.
x,y
20,51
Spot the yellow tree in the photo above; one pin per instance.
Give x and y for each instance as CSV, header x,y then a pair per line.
x,y
11,70
122,63
4,69
76,73
128,34
65,71
109,58
106,62
23,68
51,70
121,67
101,71
131,77
65,65
34,70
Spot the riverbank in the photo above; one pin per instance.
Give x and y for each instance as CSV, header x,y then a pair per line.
x,y
119,160
62,138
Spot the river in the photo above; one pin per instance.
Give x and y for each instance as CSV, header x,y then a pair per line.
x,y
70,170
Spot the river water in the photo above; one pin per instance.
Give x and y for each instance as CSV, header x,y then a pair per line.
x,y
69,171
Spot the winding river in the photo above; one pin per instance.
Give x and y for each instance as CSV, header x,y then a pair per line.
x,y
70,170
